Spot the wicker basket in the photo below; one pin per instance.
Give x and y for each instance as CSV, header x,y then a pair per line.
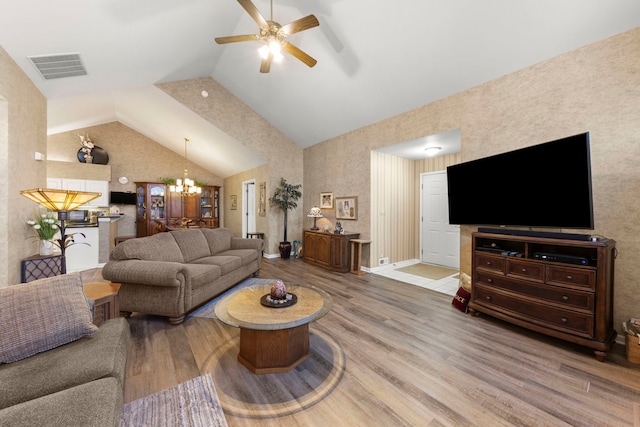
x,y
633,348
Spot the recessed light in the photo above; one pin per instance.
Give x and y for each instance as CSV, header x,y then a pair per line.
x,y
204,93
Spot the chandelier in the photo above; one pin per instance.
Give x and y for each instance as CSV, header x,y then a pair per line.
x,y
185,186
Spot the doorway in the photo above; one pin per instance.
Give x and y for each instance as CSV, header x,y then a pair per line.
x,y
439,240
248,207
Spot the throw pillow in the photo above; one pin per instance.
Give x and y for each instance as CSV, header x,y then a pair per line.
x,y
461,299
42,315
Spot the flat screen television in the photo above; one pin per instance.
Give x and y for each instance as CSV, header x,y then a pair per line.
x,y
122,198
545,185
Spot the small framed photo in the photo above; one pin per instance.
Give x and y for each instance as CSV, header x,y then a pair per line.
x,y
234,202
347,207
326,200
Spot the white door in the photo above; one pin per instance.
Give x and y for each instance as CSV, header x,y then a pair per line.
x,y
249,208
440,241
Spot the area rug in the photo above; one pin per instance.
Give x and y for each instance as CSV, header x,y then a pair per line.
x,y
270,396
429,271
191,404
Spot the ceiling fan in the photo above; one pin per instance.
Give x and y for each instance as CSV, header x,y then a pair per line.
x,y
274,35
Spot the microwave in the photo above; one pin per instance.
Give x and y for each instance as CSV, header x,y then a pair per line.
x,y
78,215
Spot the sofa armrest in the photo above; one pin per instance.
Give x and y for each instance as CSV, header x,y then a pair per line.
x,y
159,273
244,243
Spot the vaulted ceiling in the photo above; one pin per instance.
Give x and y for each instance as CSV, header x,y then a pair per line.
x,y
375,59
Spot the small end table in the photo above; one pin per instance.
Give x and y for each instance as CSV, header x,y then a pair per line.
x,y
356,264
105,299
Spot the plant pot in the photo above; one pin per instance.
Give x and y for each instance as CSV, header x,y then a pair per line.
x,y
285,250
46,247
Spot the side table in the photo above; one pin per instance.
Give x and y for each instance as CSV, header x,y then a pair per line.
x,y
105,299
356,264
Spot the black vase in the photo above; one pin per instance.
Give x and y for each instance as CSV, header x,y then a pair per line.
x,y
285,250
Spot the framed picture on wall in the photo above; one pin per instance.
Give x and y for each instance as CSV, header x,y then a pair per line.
x,y
326,200
262,199
347,207
234,202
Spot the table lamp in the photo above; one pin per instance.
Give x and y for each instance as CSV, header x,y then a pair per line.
x,y
315,214
60,201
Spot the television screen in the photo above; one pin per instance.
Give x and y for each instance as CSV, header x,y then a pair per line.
x,y
545,185
122,198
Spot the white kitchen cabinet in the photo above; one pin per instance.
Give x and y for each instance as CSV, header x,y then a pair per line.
x,y
98,187
83,185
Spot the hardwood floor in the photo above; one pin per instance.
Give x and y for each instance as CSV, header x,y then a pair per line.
x,y
391,354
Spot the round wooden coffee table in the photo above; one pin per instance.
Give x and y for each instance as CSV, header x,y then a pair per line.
x,y
273,340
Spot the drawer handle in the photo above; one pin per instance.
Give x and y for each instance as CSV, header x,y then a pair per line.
x,y
489,262
524,270
565,320
569,277
488,298
565,298
489,280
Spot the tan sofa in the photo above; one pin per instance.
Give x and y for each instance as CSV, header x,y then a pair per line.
x,y
172,273
56,367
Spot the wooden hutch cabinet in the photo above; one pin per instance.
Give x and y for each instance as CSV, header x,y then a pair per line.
x,y
203,209
328,250
151,207
559,287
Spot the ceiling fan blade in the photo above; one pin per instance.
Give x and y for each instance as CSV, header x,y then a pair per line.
x,y
234,39
265,66
302,56
253,11
301,25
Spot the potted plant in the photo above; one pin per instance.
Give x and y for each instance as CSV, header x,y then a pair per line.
x,y
285,197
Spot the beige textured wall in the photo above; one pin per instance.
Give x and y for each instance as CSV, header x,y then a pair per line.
x,y
595,89
284,157
131,154
23,131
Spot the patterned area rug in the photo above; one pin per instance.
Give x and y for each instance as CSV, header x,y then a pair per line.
x,y
193,403
429,271
271,396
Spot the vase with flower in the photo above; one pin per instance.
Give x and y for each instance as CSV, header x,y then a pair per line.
x,y
46,227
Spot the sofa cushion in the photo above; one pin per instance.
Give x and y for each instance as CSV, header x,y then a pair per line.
x,y
197,275
246,255
42,315
226,263
192,244
159,247
219,239
94,404
99,356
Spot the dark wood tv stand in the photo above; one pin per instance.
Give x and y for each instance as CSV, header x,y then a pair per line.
x,y
562,288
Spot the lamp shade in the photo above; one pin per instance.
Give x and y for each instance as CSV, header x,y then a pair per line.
x,y
315,212
59,200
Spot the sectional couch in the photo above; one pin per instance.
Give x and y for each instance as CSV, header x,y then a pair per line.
x,y
172,273
56,367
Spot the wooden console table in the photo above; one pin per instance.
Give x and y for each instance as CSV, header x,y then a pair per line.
x,y
328,250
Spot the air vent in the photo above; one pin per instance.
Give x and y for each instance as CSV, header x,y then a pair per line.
x,y
59,66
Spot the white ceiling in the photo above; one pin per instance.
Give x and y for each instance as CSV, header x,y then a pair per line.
x,y
375,59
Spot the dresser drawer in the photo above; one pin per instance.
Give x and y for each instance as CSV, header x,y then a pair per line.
x,y
525,269
563,298
492,263
562,276
535,311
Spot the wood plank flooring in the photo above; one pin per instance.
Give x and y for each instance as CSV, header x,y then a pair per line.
x,y
391,354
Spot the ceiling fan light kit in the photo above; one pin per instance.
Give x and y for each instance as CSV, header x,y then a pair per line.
x,y
274,35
